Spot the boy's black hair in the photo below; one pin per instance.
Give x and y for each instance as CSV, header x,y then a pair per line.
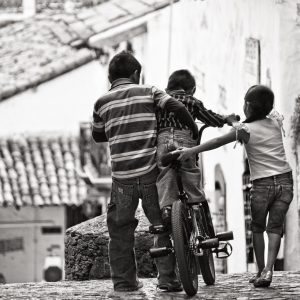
x,y
261,100
181,79
123,65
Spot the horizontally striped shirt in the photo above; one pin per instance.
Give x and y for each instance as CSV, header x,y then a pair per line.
x,y
167,119
127,116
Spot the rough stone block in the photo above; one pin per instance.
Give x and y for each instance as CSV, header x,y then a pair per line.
x,y
86,249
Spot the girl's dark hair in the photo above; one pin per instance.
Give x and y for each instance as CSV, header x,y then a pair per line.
x,y
181,79
123,65
260,98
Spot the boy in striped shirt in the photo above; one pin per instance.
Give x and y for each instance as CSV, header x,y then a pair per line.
x,y
125,117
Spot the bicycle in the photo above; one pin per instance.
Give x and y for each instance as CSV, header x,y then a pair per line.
x,y
192,234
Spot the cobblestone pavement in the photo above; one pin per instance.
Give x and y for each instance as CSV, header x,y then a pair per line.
x,y
285,285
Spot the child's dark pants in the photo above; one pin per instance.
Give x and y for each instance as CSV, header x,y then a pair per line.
x,y
122,223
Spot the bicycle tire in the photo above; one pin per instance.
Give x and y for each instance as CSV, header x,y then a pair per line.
x,y
186,260
207,267
206,262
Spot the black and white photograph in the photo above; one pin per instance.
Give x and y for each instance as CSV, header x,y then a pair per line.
x,y
149,149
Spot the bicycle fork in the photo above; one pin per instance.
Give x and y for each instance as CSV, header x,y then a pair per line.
x,y
201,238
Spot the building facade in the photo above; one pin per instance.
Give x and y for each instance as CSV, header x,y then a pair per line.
x,y
229,46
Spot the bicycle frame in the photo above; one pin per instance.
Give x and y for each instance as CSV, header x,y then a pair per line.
x,y
192,210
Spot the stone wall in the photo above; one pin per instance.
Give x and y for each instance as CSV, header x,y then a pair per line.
x,y
86,249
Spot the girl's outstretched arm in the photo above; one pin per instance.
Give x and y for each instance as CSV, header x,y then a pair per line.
x,y
214,143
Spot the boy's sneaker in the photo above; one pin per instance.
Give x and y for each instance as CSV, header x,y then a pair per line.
x,y
130,288
174,286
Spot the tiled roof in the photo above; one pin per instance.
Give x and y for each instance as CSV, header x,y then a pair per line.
x,y
11,6
15,6
31,53
60,5
45,46
40,170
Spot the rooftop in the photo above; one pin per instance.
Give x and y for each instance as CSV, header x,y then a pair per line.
x,y
42,169
36,170
53,42
15,6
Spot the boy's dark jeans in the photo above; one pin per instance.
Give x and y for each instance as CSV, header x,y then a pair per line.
x,y
121,223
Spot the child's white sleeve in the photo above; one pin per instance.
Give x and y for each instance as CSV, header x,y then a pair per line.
x,y
238,126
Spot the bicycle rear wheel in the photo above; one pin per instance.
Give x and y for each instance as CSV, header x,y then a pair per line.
x,y
186,260
206,262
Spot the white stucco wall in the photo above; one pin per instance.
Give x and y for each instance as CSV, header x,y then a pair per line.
x,y
27,263
194,50
57,105
209,38
289,90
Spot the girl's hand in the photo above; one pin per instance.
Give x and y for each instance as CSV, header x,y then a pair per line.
x,y
232,118
185,153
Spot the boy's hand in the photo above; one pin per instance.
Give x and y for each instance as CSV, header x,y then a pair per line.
x,y
185,153
232,118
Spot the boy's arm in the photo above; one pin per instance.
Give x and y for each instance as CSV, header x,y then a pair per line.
x,y
98,127
207,116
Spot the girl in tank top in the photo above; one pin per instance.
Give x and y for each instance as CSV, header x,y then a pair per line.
x,y
270,173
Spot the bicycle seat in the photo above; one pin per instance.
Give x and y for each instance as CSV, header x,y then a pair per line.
x,y
169,158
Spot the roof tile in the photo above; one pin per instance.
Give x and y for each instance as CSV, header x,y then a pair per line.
x,y
110,11
40,171
134,7
81,30
63,33
87,14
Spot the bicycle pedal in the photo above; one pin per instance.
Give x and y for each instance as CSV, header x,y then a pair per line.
x,y
223,251
209,243
155,229
160,252
225,236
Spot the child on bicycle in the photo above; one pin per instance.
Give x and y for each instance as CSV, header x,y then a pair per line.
x,y
173,134
271,175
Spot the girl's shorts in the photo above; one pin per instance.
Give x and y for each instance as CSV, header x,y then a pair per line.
x,y
271,195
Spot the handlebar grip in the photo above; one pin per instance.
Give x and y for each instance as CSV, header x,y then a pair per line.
x,y
169,158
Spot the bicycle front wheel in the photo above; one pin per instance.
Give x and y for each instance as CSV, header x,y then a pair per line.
x,y
186,260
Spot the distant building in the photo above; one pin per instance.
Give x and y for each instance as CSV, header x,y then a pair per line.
x,y
58,66
40,196
50,79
